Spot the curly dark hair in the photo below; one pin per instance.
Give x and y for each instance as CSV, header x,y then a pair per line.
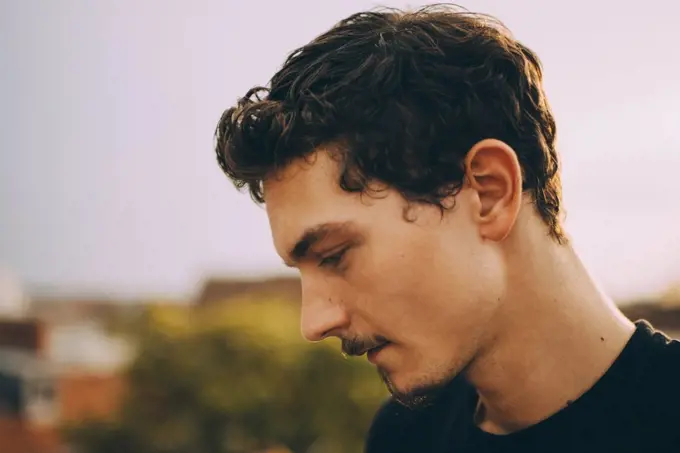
x,y
401,96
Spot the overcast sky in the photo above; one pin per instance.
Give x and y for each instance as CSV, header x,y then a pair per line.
x,y
108,180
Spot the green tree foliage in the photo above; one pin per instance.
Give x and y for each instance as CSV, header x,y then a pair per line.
x,y
238,378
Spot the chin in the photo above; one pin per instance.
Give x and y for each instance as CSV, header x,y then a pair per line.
x,y
414,393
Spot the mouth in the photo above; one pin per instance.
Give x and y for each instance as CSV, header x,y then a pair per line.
x,y
372,354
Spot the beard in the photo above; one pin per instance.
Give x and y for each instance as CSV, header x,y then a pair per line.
x,y
422,394
419,396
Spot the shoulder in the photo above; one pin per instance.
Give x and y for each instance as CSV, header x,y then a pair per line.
x,y
399,429
662,364
665,364
389,428
657,389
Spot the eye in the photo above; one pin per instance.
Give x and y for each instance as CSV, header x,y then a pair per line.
x,y
333,260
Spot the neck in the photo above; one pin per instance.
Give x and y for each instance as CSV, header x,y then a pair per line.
x,y
554,337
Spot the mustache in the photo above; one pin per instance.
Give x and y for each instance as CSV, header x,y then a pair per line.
x,y
358,346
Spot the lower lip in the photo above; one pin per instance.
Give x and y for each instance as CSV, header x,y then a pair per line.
x,y
372,355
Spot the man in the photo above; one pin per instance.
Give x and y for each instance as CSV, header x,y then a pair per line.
x,y
408,165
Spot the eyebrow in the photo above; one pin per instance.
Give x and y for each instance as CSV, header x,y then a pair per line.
x,y
312,236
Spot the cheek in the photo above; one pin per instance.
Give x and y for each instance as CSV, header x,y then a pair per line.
x,y
423,291
398,288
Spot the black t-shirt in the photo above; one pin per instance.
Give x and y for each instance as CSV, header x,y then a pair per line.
x,y
634,407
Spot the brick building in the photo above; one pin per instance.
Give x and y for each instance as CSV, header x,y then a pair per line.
x,y
47,380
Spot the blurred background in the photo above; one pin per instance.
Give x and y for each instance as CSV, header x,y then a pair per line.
x,y
142,305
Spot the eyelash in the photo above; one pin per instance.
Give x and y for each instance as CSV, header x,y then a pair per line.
x,y
333,260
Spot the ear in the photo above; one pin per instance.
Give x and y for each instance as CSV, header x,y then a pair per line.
x,y
492,170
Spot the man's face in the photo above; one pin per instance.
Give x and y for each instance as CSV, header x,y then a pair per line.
x,y
420,292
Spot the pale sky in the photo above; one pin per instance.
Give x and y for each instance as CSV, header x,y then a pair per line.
x,y
108,181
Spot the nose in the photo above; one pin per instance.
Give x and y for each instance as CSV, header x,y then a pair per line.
x,y
321,317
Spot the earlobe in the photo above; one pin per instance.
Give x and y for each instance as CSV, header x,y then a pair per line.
x,y
493,172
